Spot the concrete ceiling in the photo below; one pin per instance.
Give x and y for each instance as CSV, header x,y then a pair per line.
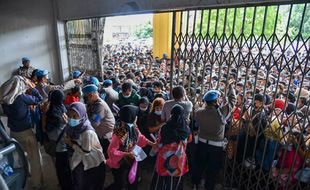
x,y
77,9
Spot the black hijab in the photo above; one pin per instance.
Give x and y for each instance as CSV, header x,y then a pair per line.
x,y
56,110
176,128
128,133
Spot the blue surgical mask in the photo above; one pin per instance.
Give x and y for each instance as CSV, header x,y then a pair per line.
x,y
73,122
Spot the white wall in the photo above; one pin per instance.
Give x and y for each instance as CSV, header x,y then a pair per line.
x,y
27,29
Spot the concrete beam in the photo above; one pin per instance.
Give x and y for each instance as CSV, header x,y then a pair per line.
x,y
77,9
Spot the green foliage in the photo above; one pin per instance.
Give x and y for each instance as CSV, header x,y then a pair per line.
x,y
144,31
296,18
250,21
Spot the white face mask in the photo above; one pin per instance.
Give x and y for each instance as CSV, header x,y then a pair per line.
x,y
127,96
158,112
130,125
143,109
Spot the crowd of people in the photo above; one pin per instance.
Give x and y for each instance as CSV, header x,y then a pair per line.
x,y
138,116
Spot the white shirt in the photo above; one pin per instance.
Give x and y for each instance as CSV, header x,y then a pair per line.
x,y
186,104
91,155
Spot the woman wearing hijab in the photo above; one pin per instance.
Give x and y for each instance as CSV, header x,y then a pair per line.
x,y
171,162
53,123
154,121
87,162
124,139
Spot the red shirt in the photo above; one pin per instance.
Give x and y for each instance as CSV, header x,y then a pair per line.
x,y
70,99
236,113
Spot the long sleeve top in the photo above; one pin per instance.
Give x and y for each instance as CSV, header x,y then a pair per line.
x,y
186,104
44,89
116,155
87,149
102,119
211,120
19,114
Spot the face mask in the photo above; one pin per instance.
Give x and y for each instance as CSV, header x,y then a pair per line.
x,y
130,125
127,96
143,109
158,112
73,122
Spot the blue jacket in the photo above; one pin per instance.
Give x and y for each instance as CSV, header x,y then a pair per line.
x,y
19,113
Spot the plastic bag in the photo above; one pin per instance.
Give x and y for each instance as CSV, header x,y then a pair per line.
x,y
133,172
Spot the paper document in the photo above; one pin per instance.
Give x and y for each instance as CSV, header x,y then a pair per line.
x,y
139,153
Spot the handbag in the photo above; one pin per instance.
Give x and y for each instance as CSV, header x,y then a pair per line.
x,y
172,160
133,172
50,145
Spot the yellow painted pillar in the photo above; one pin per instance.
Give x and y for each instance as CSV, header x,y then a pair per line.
x,y
162,31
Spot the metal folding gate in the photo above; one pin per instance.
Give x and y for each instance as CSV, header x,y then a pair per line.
x,y
268,45
84,42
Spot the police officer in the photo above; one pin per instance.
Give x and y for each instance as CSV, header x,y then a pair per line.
x,y
25,70
100,115
210,122
45,87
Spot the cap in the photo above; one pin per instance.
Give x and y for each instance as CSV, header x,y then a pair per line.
x,y
41,73
211,95
107,82
25,59
94,80
76,74
279,103
90,89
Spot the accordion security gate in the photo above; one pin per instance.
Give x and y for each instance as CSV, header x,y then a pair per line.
x,y
84,44
266,47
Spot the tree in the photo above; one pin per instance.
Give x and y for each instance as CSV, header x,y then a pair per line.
x,y
296,18
240,20
144,31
